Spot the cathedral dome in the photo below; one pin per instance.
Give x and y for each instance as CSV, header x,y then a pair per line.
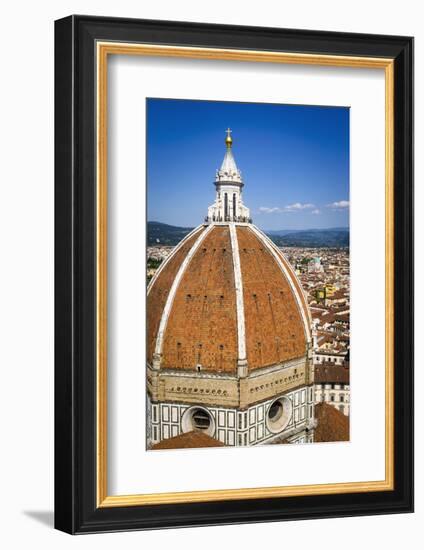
x,y
228,334
225,299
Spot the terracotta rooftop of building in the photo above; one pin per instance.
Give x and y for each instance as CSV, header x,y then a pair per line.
x,y
323,339
329,373
327,318
189,440
339,294
344,317
332,425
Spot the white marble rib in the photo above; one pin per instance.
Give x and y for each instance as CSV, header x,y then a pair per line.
x,y
241,330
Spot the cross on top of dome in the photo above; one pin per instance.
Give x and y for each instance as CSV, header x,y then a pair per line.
x,y
229,171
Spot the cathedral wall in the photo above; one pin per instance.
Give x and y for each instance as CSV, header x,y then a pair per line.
x,y
234,427
266,385
227,390
200,390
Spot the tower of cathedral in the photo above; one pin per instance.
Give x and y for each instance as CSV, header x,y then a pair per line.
x,y
229,342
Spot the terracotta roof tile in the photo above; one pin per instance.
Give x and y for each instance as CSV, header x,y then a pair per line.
x,y
332,425
274,327
189,440
158,292
202,326
329,373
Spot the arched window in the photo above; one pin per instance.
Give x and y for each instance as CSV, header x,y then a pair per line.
x,y
225,206
234,206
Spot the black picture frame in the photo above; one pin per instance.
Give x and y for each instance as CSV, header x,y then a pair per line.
x,y
76,508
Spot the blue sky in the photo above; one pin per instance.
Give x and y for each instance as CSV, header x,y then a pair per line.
x,y
294,161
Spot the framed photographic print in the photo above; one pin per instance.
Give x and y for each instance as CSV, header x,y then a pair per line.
x,y
233,274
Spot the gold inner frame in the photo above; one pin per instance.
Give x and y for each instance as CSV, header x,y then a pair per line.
x,y
104,49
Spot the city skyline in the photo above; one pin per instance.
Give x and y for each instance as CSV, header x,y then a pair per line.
x,y
294,161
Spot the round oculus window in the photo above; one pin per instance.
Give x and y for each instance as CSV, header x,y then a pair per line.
x,y
198,419
279,414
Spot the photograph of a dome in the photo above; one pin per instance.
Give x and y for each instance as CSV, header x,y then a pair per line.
x,y
248,302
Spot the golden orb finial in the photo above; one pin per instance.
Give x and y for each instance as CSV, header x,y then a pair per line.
x,y
228,139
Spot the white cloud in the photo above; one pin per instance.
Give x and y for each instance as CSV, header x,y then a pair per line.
x,y
296,207
339,205
267,210
316,211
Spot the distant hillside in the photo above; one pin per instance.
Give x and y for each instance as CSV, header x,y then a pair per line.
x,y
312,238
162,233
284,232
